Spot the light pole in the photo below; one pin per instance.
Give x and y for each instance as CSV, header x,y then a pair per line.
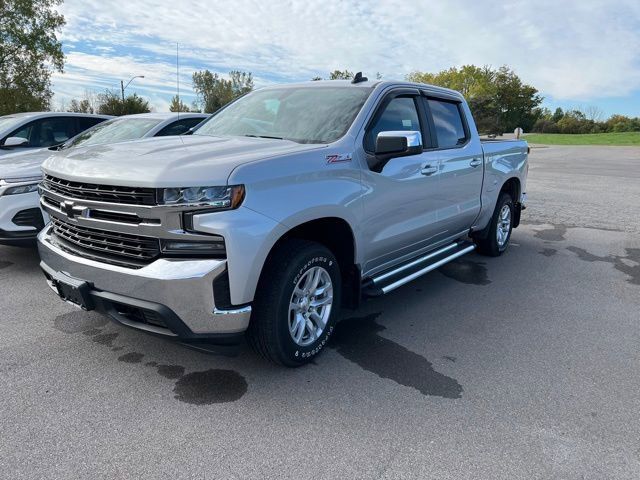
x,y
123,86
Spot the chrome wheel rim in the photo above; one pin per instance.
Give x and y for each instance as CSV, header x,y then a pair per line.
x,y
310,306
504,225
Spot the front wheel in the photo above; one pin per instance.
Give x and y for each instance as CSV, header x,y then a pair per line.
x,y
296,304
500,227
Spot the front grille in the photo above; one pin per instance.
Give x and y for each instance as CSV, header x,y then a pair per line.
x,y
31,217
100,193
122,249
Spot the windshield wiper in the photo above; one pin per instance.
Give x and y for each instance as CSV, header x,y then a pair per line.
x,y
263,136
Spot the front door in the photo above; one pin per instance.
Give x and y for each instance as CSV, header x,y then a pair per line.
x,y
400,211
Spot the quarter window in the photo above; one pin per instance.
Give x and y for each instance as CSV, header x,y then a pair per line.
x,y
449,126
399,114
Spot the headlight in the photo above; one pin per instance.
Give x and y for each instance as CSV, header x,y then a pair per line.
x,y
222,198
21,189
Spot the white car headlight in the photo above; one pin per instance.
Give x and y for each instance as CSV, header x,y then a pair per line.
x,y
31,185
21,189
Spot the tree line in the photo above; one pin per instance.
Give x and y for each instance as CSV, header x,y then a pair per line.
x,y
30,52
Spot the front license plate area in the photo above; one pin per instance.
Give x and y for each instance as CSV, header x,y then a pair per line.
x,y
74,291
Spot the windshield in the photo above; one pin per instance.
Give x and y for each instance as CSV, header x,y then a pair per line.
x,y
113,131
7,123
300,114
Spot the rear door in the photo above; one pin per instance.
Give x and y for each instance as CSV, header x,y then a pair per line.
x,y
460,162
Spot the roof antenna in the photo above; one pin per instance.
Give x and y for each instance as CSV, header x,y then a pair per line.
x,y
359,78
178,77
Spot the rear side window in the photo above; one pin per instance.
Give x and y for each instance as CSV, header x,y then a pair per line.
x,y
449,126
88,122
399,114
179,127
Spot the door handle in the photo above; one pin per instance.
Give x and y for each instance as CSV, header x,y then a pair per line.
x,y
475,162
429,170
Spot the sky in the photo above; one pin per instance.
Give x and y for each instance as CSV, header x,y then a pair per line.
x,y
576,53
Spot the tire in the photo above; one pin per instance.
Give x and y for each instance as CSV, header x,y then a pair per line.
x,y
493,244
282,333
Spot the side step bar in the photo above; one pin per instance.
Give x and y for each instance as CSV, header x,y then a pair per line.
x,y
389,280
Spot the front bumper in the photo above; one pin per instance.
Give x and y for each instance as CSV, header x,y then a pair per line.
x,y
10,207
177,293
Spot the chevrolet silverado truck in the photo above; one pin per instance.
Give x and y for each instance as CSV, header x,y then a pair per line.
x,y
286,205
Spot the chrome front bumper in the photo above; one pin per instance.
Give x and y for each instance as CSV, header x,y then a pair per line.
x,y
184,287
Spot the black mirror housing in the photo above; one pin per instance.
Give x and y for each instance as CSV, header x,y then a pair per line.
x,y
393,144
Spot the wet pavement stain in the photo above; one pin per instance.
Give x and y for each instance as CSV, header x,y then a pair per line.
x,y
548,252
105,338
5,264
466,271
91,332
554,234
210,386
75,322
357,340
131,357
620,263
171,371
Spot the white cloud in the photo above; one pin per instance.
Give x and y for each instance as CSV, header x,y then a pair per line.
x,y
573,50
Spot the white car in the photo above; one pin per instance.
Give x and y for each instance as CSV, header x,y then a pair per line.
x,y
33,130
20,215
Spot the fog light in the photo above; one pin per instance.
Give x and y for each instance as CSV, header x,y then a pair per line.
x,y
213,248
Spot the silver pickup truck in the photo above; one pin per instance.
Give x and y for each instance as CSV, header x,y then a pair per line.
x,y
289,203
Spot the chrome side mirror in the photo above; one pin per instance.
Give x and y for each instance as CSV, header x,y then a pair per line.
x,y
396,143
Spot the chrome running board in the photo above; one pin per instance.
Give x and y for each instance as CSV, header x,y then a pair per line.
x,y
389,280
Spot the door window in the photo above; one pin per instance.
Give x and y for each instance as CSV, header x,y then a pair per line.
x,y
179,127
399,114
449,126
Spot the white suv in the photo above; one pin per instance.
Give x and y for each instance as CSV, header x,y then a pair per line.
x,y
20,215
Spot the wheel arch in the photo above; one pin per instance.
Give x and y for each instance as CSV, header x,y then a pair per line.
x,y
336,234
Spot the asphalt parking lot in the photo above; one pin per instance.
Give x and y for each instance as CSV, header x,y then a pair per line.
x,y
524,366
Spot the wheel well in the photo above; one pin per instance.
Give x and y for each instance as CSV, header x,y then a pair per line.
x,y
512,187
335,234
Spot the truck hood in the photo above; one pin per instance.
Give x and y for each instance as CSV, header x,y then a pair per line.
x,y
186,161
23,164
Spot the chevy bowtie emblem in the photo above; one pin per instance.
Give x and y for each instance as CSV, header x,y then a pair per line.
x,y
338,158
72,210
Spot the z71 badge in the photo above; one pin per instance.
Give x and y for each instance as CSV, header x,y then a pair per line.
x,y
338,158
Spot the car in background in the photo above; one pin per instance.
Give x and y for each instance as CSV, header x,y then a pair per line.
x,y
28,131
20,215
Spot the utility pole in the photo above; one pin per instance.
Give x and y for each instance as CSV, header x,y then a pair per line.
x,y
123,86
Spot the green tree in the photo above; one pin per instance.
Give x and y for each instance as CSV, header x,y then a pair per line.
x,y
110,103
341,75
214,92
178,105
557,115
80,106
499,100
29,50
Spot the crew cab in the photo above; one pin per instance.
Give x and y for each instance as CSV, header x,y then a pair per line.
x,y
286,205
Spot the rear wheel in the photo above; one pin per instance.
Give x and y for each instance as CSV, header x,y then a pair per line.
x,y
499,233
296,304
